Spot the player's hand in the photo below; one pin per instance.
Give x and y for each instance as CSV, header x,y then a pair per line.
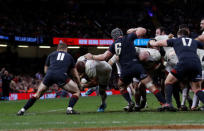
x,y
131,30
151,42
170,36
88,56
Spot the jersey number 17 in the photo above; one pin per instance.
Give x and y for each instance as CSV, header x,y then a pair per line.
x,y
185,42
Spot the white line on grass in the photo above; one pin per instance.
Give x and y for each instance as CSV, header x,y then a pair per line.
x,y
100,122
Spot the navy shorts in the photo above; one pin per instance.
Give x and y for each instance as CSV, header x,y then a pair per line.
x,y
189,70
55,78
131,71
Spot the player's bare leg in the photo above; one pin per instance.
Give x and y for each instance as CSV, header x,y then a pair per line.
x,y
41,90
72,87
152,88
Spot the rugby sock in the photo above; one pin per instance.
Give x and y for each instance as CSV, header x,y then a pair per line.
x,y
184,96
168,93
159,96
177,97
126,95
73,101
103,97
195,101
130,92
30,102
200,95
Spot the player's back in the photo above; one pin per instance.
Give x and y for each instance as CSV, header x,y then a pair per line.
x,y
185,48
126,50
95,68
59,62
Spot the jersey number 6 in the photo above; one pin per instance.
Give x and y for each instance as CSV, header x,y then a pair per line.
x,y
118,48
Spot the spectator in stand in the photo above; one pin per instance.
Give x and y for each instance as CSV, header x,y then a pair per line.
x,y
6,79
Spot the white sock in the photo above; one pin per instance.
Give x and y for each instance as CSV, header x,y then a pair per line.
x,y
130,92
184,96
69,108
22,109
195,101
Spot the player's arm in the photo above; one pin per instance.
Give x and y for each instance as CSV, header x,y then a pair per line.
x,y
76,77
200,38
140,31
91,83
47,64
101,57
2,71
113,60
45,69
158,43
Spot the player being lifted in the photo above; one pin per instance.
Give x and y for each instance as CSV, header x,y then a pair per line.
x,y
98,73
57,67
189,65
130,65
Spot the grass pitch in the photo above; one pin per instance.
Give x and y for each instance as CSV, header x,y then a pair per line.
x,y
50,113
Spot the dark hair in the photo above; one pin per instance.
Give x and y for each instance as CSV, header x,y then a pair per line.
x,y
202,18
183,26
162,29
183,32
62,46
115,33
80,66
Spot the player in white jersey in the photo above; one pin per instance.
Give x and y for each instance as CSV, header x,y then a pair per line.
x,y
202,25
98,73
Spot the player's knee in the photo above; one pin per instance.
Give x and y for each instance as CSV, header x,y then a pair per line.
x,y
76,93
36,96
195,89
149,84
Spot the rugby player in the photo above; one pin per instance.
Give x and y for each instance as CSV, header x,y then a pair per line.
x,y
130,65
57,67
189,64
202,26
98,73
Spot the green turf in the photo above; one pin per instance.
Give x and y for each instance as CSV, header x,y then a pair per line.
x,y
51,114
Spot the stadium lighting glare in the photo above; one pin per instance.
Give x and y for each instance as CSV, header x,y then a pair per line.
x,y
102,47
3,45
23,46
73,47
44,47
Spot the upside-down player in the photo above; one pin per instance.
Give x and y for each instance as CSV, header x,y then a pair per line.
x,y
58,64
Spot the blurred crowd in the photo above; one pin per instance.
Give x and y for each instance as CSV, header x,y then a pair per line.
x,y
74,18
10,83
